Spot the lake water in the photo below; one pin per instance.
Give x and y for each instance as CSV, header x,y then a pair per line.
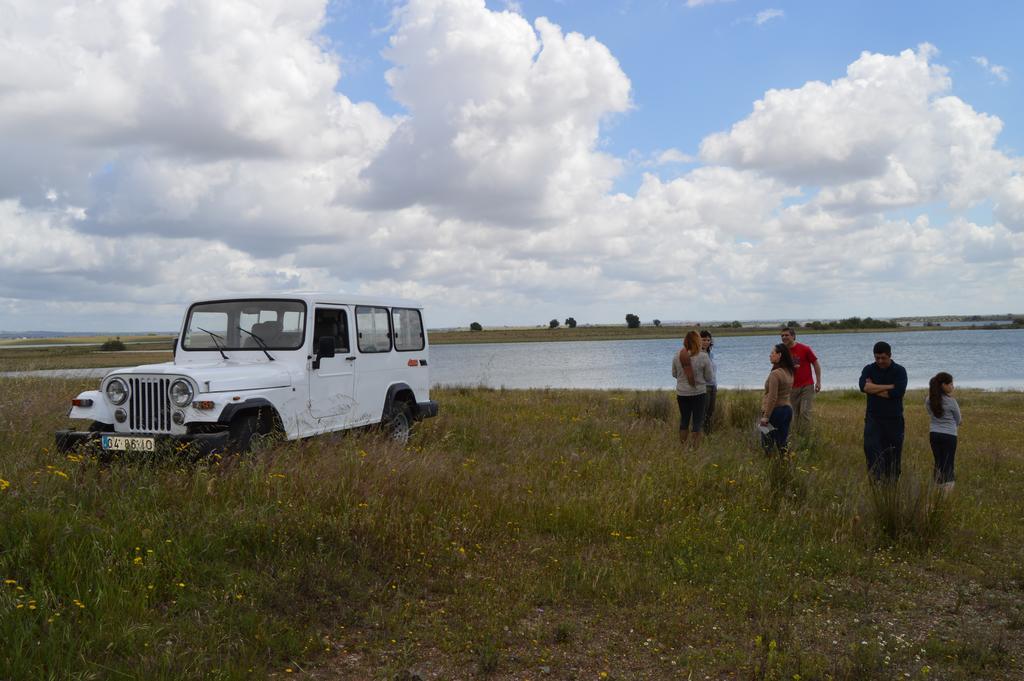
x,y
990,358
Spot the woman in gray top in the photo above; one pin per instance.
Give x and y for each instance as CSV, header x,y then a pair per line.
x,y
691,367
942,433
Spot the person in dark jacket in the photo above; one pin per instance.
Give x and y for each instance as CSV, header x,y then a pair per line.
x,y
884,382
706,344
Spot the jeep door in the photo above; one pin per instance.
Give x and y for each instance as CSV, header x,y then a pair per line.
x,y
377,363
332,382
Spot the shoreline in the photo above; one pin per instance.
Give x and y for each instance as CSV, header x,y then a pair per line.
x,y
536,334
616,333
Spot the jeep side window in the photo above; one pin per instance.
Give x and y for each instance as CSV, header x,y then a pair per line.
x,y
373,329
408,329
334,323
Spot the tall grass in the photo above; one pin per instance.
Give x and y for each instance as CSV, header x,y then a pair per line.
x,y
914,511
520,531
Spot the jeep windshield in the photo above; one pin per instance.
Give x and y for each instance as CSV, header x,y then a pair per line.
x,y
280,324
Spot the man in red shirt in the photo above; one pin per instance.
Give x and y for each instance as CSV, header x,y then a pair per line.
x,y
804,385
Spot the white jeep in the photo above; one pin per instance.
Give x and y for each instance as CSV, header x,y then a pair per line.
x,y
249,367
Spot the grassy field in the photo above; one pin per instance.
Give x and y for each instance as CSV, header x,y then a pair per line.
x,y
82,353
521,535
148,339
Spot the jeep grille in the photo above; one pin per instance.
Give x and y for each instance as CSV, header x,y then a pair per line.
x,y
149,407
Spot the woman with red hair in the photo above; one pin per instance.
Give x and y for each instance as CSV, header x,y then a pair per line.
x,y
691,367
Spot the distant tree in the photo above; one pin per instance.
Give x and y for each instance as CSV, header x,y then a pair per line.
x,y
793,325
113,344
855,323
632,321
553,324
734,325
475,326
570,322
657,322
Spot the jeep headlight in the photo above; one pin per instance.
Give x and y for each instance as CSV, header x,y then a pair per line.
x,y
181,393
117,391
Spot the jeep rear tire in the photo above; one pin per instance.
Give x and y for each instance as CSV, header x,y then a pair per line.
x,y
397,423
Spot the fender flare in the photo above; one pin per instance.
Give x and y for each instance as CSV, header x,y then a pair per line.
x,y
235,407
393,390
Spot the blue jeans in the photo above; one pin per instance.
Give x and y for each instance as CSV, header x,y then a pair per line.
x,y
883,447
780,418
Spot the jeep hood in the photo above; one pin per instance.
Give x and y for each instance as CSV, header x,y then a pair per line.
x,y
216,377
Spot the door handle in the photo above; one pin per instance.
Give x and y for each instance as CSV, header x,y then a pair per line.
x,y
350,358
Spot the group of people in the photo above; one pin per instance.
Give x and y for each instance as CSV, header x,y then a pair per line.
x,y
788,398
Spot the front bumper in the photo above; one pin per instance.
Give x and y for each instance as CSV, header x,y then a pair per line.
x,y
199,444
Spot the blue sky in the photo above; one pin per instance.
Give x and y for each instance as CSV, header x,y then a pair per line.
x,y
511,162
696,70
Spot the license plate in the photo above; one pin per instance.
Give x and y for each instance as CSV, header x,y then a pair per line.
x,y
129,444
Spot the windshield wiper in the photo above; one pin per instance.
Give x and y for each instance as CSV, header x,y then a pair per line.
x,y
216,344
263,345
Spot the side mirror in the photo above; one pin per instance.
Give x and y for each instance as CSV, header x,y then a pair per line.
x,y
324,349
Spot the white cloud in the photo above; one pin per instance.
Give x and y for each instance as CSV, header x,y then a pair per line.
x,y
155,142
45,247
886,136
1000,72
1009,203
504,116
987,243
766,15
669,156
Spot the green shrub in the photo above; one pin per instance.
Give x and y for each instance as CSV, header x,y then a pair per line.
x,y
910,511
737,409
656,406
112,344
